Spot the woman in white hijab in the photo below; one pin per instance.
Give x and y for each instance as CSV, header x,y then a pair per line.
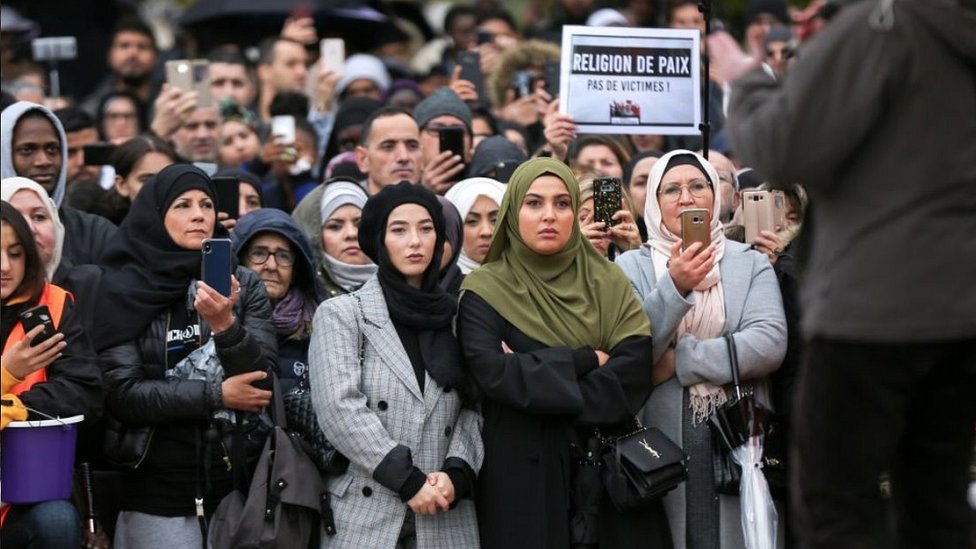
x,y
344,265
477,200
693,297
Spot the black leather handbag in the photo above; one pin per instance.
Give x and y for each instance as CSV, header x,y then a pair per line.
x,y
302,420
641,466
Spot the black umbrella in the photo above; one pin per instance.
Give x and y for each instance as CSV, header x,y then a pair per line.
x,y
741,423
248,22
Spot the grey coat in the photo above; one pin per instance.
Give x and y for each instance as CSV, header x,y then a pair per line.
x,y
754,314
368,409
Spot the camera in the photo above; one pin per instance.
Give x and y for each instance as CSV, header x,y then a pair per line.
x,y
207,247
55,48
523,83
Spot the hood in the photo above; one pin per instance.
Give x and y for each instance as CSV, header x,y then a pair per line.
x,y
272,220
953,21
8,120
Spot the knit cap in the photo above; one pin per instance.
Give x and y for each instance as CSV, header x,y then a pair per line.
x,y
442,102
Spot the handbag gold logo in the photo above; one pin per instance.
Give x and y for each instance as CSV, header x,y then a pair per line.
x,y
647,447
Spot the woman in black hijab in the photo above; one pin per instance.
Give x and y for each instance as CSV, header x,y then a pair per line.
x,y
385,371
451,275
179,359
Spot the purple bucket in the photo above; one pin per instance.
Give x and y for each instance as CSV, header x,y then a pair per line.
x,y
37,459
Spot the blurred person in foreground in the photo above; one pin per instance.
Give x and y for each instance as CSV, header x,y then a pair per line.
x,y
891,343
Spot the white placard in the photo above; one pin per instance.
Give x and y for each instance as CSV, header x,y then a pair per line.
x,y
631,81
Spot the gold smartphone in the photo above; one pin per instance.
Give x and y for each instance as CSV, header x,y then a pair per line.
x,y
762,211
191,75
695,228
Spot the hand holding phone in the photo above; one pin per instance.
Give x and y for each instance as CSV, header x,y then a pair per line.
x,y
38,316
470,62
191,75
452,139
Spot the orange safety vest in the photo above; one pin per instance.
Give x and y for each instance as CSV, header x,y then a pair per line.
x,y
55,298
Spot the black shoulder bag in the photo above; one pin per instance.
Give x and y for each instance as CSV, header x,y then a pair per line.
x,y
641,466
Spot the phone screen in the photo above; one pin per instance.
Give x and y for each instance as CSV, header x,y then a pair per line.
x,y
216,265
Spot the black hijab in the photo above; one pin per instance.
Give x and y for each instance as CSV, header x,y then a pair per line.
x,y
451,276
429,310
145,271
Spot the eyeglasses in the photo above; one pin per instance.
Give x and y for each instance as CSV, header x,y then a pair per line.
x,y
259,256
696,187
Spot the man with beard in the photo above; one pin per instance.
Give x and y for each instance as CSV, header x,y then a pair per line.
x,y
131,58
33,145
196,138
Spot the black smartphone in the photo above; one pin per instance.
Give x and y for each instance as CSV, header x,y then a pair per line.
x,y
216,265
38,316
452,139
97,154
551,77
607,200
228,199
470,62
485,37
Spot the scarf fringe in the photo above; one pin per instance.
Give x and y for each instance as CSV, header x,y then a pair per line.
x,y
705,399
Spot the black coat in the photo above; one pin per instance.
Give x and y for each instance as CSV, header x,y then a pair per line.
x,y
538,404
85,235
139,394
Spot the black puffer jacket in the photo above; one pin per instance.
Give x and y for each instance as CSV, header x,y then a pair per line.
x,y
140,394
135,371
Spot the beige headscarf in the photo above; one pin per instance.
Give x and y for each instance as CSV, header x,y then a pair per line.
x,y
706,319
10,186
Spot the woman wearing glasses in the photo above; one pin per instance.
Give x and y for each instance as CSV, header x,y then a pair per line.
x,y
693,296
270,243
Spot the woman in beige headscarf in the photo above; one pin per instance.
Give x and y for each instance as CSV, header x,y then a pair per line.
x,y
693,297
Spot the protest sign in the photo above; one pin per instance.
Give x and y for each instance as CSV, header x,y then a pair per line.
x,y
631,80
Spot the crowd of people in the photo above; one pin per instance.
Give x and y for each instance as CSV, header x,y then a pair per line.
x,y
466,321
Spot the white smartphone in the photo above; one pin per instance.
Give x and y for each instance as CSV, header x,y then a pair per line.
x,y
332,54
283,129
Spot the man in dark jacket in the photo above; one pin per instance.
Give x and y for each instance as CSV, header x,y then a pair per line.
x,y
33,145
877,119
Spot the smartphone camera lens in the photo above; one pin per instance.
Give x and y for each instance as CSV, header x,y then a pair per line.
x,y
206,246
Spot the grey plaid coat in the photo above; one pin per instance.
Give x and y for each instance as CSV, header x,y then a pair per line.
x,y
368,409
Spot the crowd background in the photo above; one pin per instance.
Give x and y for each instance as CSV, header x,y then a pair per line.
x,y
552,340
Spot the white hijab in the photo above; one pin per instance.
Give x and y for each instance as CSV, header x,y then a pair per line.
x,y
463,195
706,318
10,186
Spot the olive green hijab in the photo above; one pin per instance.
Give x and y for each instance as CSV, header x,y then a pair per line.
x,y
574,297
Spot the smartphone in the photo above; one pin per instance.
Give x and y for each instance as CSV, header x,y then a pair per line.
x,y
283,129
332,53
551,76
762,211
97,154
452,139
191,75
607,200
228,195
485,37
470,62
38,316
695,227
216,265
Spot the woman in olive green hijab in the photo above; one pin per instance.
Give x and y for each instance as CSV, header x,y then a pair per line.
x,y
558,344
